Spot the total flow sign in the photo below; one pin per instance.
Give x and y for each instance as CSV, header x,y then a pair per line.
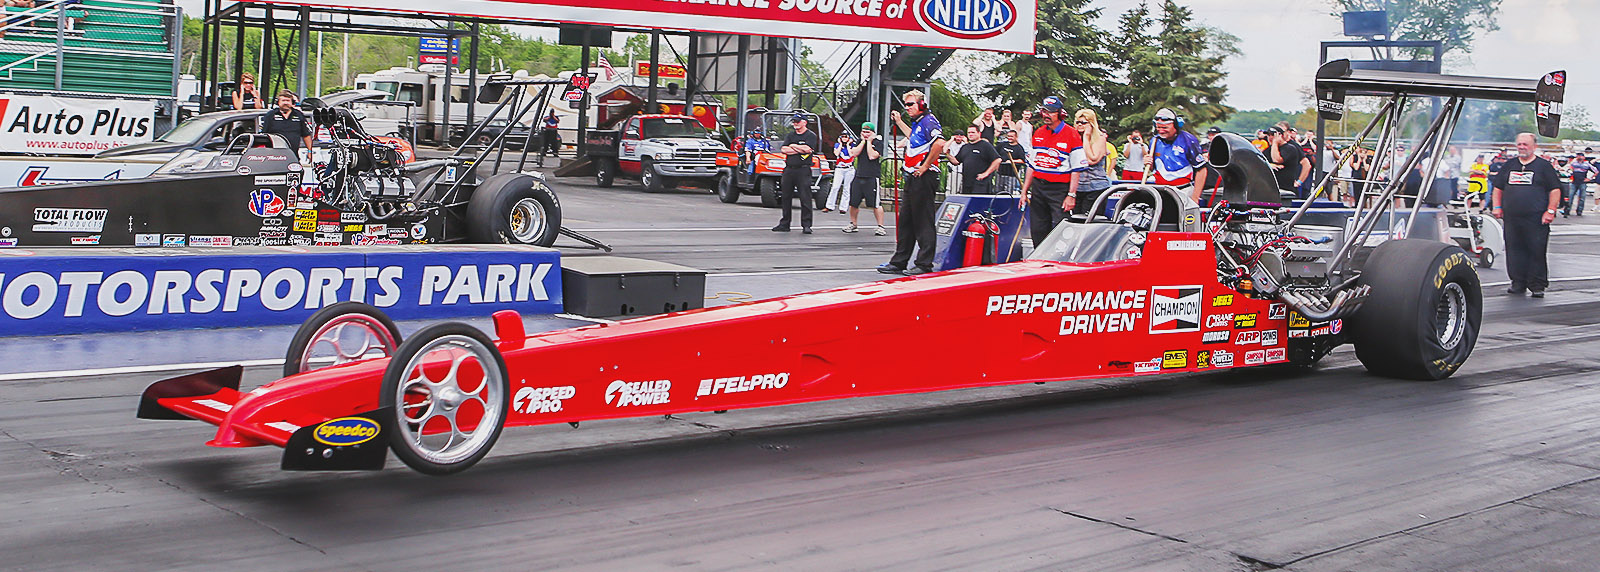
x,y
72,126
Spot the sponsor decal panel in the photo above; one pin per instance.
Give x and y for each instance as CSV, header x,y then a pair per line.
x,y
1298,321
1299,333
199,241
1216,337
8,242
1244,321
542,399
272,179
1202,359
85,240
303,226
356,228
1255,357
63,125
69,220
1186,245
1174,309
147,240
633,393
741,384
1275,355
1222,358
1248,338
173,240
265,203
1269,337
346,431
352,218
1336,326
1175,359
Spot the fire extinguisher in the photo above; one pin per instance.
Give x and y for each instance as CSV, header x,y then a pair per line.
x,y
982,238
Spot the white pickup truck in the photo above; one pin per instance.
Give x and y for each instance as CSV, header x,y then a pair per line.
x,y
662,151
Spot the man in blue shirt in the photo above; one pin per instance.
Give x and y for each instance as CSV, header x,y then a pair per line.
x,y
914,228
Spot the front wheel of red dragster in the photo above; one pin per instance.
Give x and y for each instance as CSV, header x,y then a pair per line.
x,y
1421,320
340,333
449,393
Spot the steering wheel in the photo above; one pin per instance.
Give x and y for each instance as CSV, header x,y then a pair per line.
x,y
247,141
1099,204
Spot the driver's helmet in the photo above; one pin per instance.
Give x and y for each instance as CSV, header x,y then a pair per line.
x,y
1137,216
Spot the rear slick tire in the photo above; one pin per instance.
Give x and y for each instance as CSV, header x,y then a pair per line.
x,y
471,380
513,208
1421,320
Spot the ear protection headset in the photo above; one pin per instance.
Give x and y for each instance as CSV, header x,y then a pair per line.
x,y
921,106
1178,121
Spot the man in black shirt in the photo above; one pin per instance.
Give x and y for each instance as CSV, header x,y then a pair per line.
x,y
1012,160
1288,161
1527,191
288,121
979,161
797,149
869,169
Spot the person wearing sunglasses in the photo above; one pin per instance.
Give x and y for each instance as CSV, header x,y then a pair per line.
x,y
247,96
1093,180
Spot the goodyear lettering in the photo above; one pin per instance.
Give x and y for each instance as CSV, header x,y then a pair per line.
x,y
1455,259
346,431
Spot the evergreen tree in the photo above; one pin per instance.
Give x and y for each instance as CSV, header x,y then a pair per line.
x,y
1070,60
1120,113
1182,71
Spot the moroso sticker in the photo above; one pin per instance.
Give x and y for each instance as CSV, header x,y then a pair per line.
x,y
1217,337
1255,357
1275,312
1174,309
1202,360
965,19
1244,321
1222,301
69,220
346,431
1276,355
1147,366
1175,359
265,203
1222,358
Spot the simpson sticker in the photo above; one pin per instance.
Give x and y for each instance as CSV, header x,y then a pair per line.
x,y
1174,309
69,220
1244,321
1175,359
740,384
1222,301
1255,357
1275,355
1222,358
1217,337
542,399
632,393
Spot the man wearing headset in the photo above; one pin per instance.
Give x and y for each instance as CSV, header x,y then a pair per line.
x,y
1175,154
1056,157
924,146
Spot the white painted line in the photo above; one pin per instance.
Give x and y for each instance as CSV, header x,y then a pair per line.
x,y
1568,279
135,369
787,272
586,319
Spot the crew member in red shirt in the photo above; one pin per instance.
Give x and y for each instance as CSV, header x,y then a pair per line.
x,y
1051,189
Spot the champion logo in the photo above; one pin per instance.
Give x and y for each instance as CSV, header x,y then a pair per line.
x,y
968,19
1174,309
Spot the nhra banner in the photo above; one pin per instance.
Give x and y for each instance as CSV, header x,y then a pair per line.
x,y
101,290
995,25
72,126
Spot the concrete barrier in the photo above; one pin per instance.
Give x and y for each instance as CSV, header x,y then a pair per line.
x,y
78,290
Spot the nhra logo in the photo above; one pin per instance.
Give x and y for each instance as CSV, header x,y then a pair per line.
x,y
1174,309
639,392
265,203
346,431
968,19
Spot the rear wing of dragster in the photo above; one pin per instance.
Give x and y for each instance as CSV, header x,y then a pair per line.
x,y
1338,79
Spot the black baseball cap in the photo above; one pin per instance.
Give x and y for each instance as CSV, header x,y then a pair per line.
x,y
1214,130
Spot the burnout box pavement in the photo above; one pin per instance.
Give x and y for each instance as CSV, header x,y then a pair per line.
x,y
78,290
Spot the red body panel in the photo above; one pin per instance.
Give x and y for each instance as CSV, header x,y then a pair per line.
x,y
1015,323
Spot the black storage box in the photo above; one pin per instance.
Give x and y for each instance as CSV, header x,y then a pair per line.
x,y
600,286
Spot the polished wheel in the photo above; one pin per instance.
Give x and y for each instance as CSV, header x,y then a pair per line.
x,y
1450,316
451,400
527,221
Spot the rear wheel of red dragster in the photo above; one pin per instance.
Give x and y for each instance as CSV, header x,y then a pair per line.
x,y
449,393
513,208
338,334
1421,320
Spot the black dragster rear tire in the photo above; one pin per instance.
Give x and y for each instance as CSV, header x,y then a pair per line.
x,y
1421,320
513,208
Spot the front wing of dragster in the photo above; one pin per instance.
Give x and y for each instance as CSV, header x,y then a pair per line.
x,y
1013,323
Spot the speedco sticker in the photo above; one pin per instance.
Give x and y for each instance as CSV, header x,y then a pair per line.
x,y
1174,309
627,393
346,431
739,384
69,220
542,399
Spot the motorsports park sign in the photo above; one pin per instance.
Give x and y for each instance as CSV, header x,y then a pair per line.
x,y
994,25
